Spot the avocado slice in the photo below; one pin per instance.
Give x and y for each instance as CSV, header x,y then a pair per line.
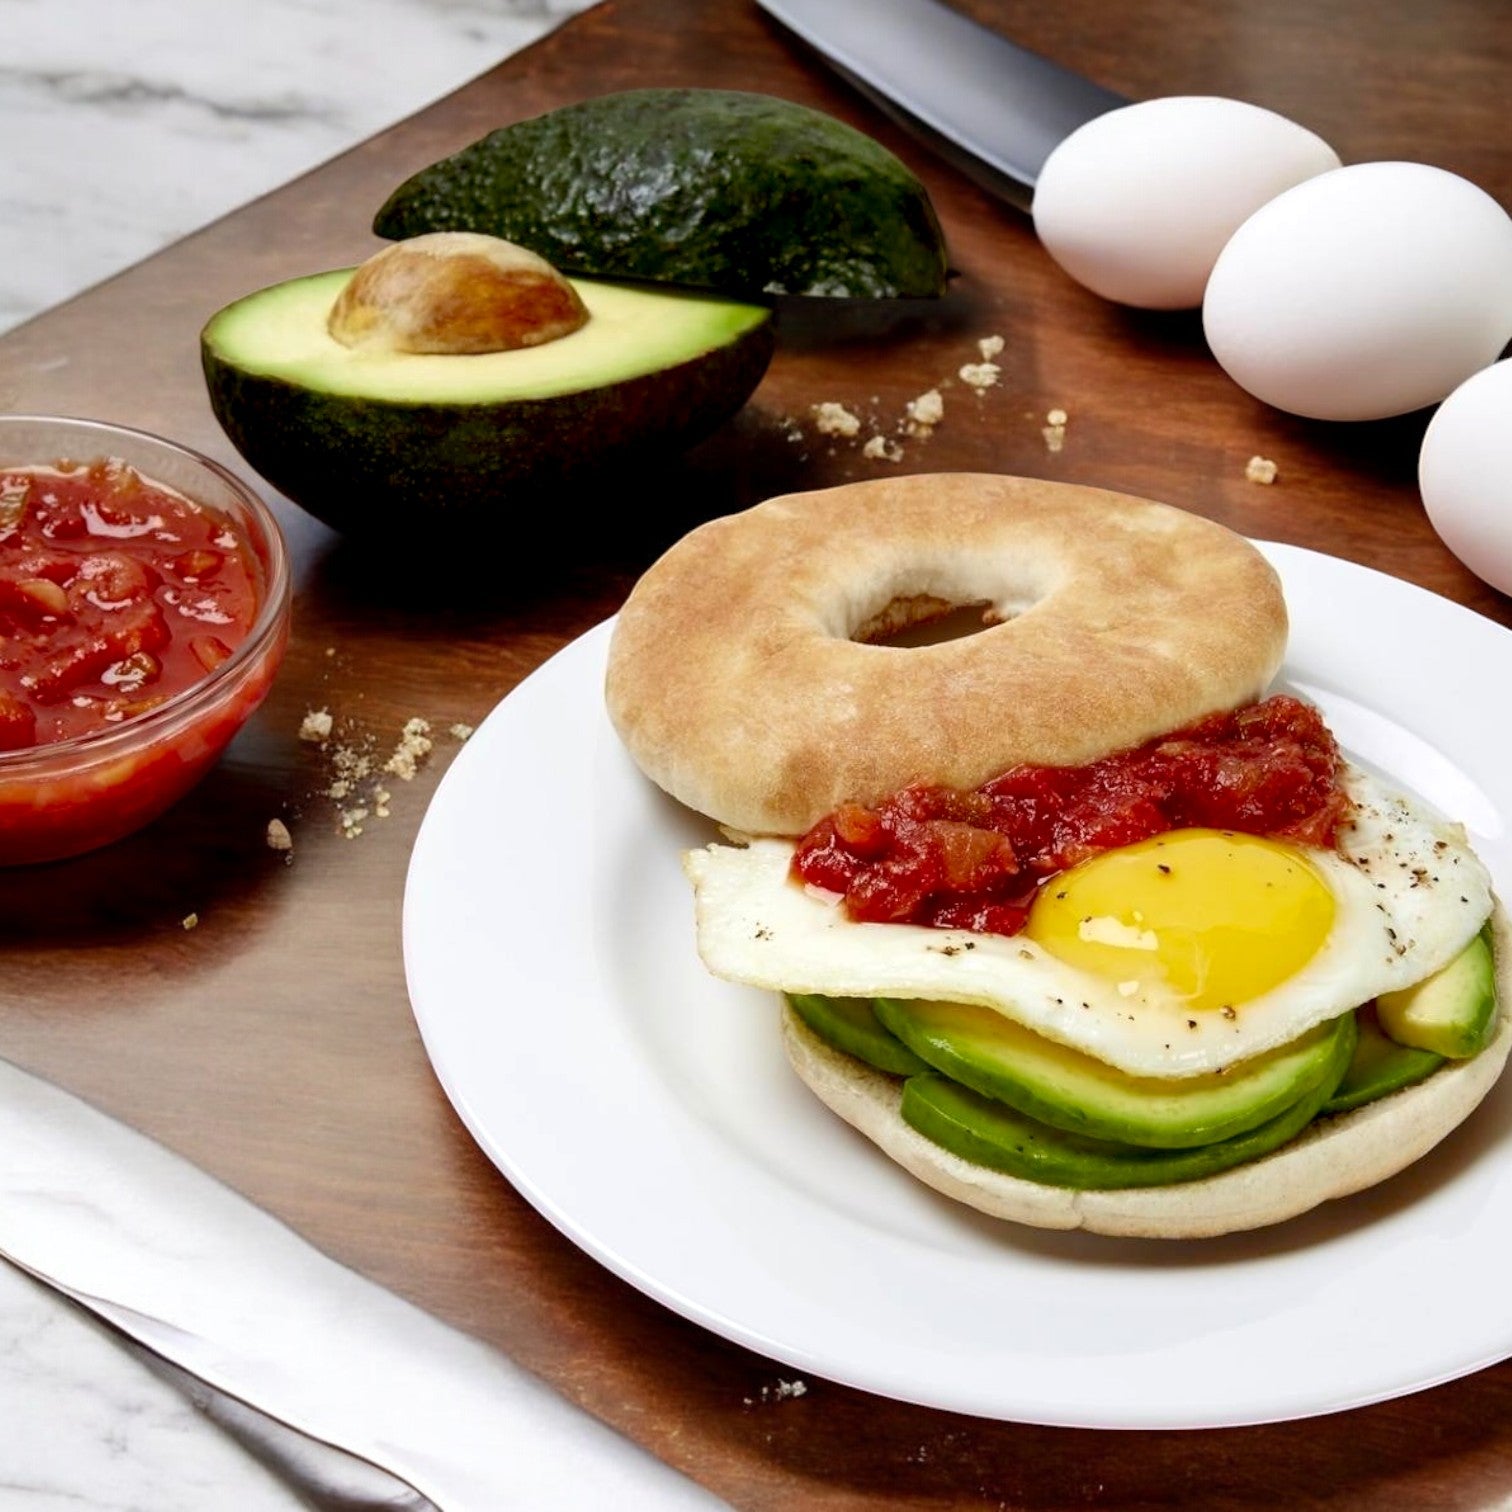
x,y
1453,1012
990,1133
1379,1066
362,439
851,1025
1073,1091
705,188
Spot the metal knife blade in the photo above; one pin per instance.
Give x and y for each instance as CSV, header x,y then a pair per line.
x,y
221,1289
992,108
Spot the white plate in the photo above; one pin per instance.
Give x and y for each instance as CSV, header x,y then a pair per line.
x,y
647,1110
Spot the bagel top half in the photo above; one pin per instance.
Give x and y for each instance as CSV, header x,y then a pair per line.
x,y
741,679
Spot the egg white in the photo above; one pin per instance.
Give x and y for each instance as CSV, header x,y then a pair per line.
x,y
1409,896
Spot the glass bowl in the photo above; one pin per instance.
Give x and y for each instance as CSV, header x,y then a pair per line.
x,y
68,796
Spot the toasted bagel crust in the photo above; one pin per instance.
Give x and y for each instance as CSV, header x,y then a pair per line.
x,y
739,682
1331,1158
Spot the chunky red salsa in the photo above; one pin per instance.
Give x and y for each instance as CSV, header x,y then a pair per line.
x,y
959,859
115,594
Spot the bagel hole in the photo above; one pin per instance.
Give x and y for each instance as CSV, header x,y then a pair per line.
x,y
921,619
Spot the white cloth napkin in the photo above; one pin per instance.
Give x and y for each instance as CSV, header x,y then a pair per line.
x,y
227,1293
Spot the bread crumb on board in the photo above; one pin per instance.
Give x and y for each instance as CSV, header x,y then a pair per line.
x,y
1260,470
349,766
882,449
833,419
190,921
980,375
315,729
782,1391
925,412
355,769
278,837
415,744
881,439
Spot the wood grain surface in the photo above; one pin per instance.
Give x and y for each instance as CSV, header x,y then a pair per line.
x,y
273,1044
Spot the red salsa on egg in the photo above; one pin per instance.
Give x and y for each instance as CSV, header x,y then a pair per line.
x,y
972,859
116,593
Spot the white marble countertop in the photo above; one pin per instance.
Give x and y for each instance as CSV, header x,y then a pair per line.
x,y
127,126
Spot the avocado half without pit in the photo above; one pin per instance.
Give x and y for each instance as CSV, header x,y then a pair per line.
x,y
721,189
458,374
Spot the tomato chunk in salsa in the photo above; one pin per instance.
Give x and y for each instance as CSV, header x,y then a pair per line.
x,y
973,859
116,593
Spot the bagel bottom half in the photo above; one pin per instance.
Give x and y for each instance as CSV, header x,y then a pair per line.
x,y
1332,1157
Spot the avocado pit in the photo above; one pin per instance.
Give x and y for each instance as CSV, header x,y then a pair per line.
x,y
457,293
400,444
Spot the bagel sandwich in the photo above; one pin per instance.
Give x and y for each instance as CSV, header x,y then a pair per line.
x,y
1145,955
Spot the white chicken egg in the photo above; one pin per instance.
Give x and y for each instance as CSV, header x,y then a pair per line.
x,y
1366,292
1137,203
1114,974
1465,474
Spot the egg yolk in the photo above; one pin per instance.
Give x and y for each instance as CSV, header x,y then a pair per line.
x,y
1207,917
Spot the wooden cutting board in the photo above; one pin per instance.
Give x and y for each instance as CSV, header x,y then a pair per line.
x,y
273,1043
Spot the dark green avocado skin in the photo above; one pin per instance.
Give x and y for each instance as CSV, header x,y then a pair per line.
x,y
704,188
366,466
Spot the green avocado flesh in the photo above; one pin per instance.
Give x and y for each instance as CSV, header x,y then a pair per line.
x,y
1453,1012
1082,1095
851,1024
1378,1066
705,188
990,1133
362,439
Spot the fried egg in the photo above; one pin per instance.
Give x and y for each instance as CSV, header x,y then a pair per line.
x,y
1178,956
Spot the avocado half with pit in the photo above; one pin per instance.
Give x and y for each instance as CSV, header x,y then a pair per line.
x,y
365,420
